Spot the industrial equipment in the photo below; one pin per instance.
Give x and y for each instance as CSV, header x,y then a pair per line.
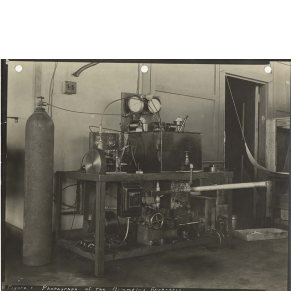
x,y
138,107
160,190
39,158
129,201
166,151
95,161
109,143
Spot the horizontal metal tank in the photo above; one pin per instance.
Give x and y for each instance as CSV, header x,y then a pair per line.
x,y
39,157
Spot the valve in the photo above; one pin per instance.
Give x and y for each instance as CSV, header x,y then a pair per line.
x,y
41,103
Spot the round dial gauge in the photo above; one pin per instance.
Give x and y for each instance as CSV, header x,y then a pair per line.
x,y
155,105
135,104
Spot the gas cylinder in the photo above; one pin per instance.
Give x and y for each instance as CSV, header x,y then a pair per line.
x,y
39,158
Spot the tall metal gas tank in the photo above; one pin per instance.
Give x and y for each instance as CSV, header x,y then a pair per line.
x,y
38,200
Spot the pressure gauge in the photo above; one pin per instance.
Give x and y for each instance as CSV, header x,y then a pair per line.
x,y
155,105
135,104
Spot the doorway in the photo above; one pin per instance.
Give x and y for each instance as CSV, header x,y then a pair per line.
x,y
248,204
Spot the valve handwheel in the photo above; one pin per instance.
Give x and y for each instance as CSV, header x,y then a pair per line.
x,y
157,220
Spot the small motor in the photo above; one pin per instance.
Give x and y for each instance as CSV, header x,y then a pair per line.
x,y
109,143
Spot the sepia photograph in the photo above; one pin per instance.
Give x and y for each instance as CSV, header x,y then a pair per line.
x,y
133,175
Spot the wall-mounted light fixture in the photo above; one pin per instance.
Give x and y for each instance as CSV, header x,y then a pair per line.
x,y
268,69
18,68
144,69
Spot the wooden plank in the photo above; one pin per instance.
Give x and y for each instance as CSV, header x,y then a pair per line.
x,y
260,234
271,145
270,200
270,129
229,202
75,175
85,205
136,251
58,209
99,229
70,245
262,126
183,176
147,250
163,176
281,226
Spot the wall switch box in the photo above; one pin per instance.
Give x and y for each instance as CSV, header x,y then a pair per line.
x,y
69,87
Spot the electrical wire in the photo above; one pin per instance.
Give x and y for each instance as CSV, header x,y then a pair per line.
x,y
69,186
51,89
97,113
70,206
122,98
125,237
242,132
81,112
53,85
110,195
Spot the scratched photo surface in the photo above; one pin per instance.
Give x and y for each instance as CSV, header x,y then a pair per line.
x,y
137,175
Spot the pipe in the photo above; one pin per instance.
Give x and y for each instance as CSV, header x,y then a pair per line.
x,y
192,222
77,73
230,186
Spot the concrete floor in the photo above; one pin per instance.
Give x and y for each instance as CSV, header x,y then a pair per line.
x,y
250,265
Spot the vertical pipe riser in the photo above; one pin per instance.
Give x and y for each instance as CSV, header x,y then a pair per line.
x,y
39,155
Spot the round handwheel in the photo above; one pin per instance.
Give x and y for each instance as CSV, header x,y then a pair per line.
x,y
157,220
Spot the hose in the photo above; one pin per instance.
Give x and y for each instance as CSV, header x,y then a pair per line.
x,y
125,237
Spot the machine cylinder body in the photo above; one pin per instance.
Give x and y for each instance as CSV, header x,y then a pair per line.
x,y
39,157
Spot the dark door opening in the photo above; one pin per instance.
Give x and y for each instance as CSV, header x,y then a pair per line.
x,y
246,97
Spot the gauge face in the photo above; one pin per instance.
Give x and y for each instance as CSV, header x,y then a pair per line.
x,y
135,104
155,105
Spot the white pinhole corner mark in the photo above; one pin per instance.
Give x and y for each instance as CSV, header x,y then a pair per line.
x,y
144,69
